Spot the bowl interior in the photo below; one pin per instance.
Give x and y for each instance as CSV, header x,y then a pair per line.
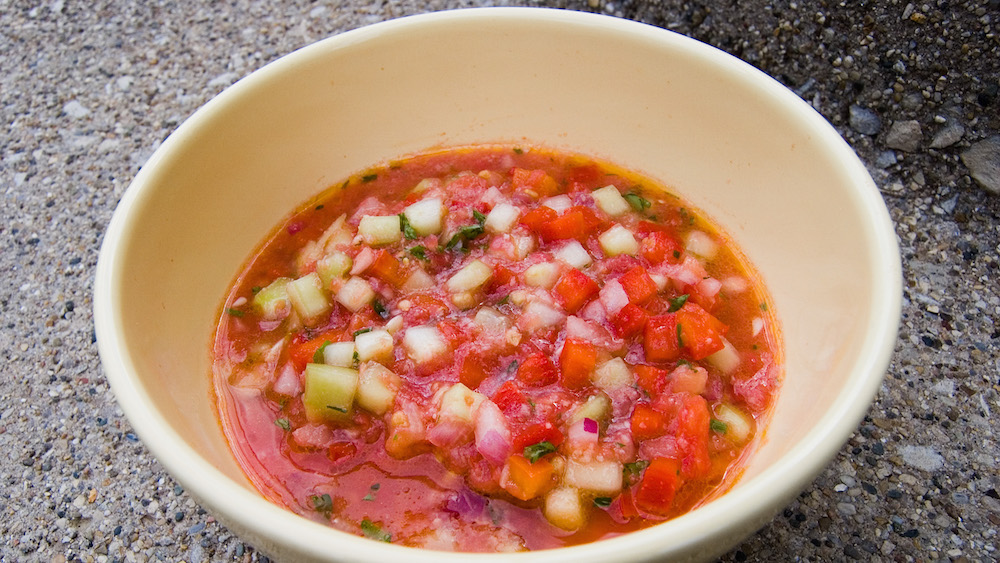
x,y
749,153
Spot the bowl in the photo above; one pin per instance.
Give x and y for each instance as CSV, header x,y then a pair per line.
x,y
751,154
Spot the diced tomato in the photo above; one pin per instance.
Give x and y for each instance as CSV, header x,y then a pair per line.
x,y
302,352
651,379
537,370
638,285
646,228
501,276
647,422
692,437
526,480
629,321
700,333
535,432
387,268
424,307
660,340
626,505
574,289
509,397
572,224
473,368
538,217
576,362
659,247
659,485
339,451
537,181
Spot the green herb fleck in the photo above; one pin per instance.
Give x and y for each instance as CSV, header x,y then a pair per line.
x,y
718,426
380,309
356,358
512,366
479,217
518,150
505,300
318,354
361,331
369,178
537,451
373,531
234,312
680,339
371,492
338,409
677,254
467,233
602,502
408,230
677,302
637,202
420,252
763,306
320,206
322,504
633,470
256,289
283,423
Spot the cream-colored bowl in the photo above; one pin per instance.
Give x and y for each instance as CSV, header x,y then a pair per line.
x,y
736,143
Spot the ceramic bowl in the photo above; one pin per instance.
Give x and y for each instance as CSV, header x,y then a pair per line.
x,y
750,153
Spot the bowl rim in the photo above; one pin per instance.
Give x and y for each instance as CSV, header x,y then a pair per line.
x,y
752,502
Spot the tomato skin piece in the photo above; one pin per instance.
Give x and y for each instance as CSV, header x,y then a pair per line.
x,y
660,341
577,362
538,217
387,268
535,432
629,321
652,380
693,422
574,289
700,332
537,370
302,352
647,422
638,285
660,482
509,398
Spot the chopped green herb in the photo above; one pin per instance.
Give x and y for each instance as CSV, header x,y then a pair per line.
x,y
318,354
420,252
680,339
345,184
356,358
518,150
637,202
373,531
602,502
537,451
677,302
320,206
633,470
361,331
677,254
322,504
479,217
380,309
408,230
256,289
718,426
763,306
369,178
234,312
467,233
283,423
505,300
512,366
683,362
371,492
338,409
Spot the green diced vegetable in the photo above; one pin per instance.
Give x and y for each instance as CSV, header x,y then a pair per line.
x,y
329,392
272,301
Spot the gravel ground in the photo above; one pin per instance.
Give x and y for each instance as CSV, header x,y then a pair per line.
x,y
91,89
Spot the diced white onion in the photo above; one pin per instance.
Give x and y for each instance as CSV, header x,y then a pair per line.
x,y
734,284
698,242
558,203
618,240
491,320
537,315
471,276
425,216
374,345
574,254
501,218
727,359
424,343
613,297
610,201
756,325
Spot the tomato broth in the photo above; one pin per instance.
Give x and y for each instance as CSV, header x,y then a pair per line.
x,y
495,349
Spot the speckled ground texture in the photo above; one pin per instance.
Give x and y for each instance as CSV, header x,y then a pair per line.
x,y
89,89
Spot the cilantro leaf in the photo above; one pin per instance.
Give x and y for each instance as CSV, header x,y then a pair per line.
x,y
637,202
718,426
677,302
283,423
420,252
361,331
407,228
602,502
322,504
373,531
234,312
537,451
318,354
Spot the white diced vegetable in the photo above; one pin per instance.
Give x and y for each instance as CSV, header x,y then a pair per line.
x,y
424,343
558,203
339,354
377,230
610,201
418,280
333,266
425,216
522,246
564,509
538,315
464,300
727,359
374,345
701,244
272,301
613,374
355,294
501,218
738,424
613,297
574,254
618,240
394,324
459,403
377,387
329,392
599,477
543,274
597,407
425,184
307,297
470,277
491,320
338,233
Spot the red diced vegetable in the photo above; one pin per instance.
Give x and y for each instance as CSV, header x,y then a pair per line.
x,y
629,321
647,422
574,289
660,340
638,285
576,362
303,352
537,181
660,247
537,370
538,217
692,437
526,480
700,333
473,369
651,379
387,268
339,451
659,485
575,223
509,398
535,432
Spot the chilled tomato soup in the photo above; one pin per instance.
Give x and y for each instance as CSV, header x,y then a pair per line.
x,y
495,349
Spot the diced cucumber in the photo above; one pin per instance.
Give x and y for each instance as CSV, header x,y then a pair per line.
x,y
458,403
377,387
701,244
610,201
618,240
424,343
308,298
272,301
418,280
727,359
613,374
543,274
355,294
599,477
597,407
374,345
564,509
329,393
501,218
377,230
339,354
471,276
739,425
339,233
574,254
333,266
425,216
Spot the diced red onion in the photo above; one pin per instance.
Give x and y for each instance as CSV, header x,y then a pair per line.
x,y
613,297
492,433
467,504
364,259
288,382
590,426
449,433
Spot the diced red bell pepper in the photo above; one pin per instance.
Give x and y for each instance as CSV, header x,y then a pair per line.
x,y
509,397
638,285
659,485
538,217
659,247
535,432
537,181
537,370
474,367
700,333
575,223
646,422
626,505
660,341
501,276
576,362
693,422
574,289
629,321
527,480
302,352
387,268
651,379
339,451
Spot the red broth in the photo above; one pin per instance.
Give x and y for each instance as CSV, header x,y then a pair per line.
x,y
495,349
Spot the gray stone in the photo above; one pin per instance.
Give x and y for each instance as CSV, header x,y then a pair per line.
x,y
948,135
904,135
864,121
983,161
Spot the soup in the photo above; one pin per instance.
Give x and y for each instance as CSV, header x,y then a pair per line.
x,y
495,349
